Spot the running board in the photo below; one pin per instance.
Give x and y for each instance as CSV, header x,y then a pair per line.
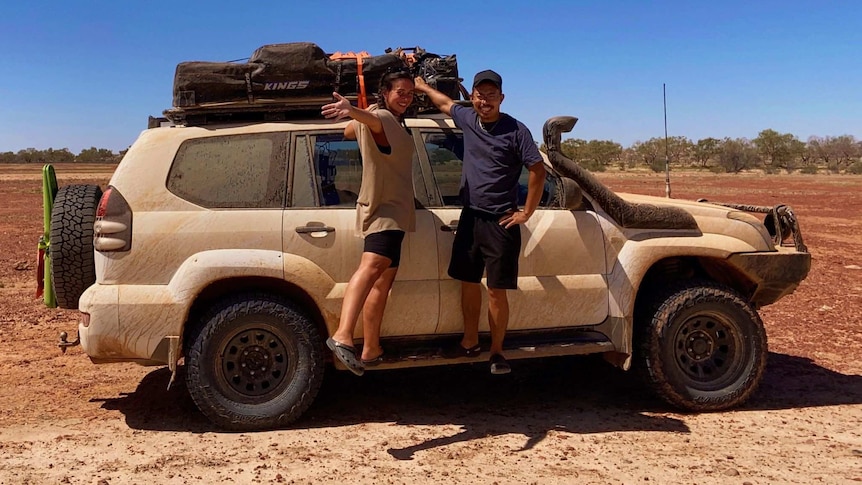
x,y
428,353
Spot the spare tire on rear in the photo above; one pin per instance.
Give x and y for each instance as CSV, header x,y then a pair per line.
x,y
73,268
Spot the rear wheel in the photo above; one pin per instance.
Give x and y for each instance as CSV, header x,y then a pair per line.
x,y
73,267
704,348
255,362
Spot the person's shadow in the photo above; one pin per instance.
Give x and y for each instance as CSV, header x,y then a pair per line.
x,y
578,395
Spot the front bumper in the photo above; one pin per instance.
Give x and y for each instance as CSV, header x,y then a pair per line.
x,y
775,274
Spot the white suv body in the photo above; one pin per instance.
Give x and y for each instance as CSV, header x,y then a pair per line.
x,y
197,215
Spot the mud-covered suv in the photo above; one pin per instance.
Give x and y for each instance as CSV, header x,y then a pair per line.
x,y
228,248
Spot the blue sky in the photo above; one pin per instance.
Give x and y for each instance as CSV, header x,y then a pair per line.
x,y
76,74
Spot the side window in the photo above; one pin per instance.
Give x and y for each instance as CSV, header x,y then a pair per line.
x,y
235,171
548,193
328,171
445,153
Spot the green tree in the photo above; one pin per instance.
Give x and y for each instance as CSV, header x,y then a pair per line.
x,y
574,148
797,151
651,153
655,151
95,155
8,157
776,149
704,150
62,155
603,152
835,152
678,150
28,155
737,155
846,150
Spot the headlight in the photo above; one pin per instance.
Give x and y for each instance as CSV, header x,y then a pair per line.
x,y
753,222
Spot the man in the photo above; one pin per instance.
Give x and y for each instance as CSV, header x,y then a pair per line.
x,y
496,147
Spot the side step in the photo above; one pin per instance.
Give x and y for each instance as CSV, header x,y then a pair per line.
x,y
401,353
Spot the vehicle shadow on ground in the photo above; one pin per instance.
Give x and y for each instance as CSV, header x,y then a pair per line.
x,y
578,395
797,382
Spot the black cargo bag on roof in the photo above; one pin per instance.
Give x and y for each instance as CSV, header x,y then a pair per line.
x,y
296,69
211,82
373,70
274,72
298,76
441,73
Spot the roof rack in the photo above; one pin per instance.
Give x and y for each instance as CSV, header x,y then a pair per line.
x,y
259,111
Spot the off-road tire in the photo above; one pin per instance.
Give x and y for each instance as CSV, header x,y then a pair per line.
x,y
701,346
254,362
73,268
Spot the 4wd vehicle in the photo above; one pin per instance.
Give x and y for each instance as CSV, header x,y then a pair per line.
x,y
229,246
227,241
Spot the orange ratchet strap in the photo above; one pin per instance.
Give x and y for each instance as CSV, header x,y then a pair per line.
x,y
362,102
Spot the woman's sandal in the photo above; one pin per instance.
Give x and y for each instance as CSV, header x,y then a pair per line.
x,y
347,355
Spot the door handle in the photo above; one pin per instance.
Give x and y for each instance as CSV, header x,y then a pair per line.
x,y
451,227
313,229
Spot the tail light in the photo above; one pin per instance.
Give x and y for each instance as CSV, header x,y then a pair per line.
x,y
113,228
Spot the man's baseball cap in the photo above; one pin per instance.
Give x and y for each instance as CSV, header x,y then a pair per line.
x,y
488,76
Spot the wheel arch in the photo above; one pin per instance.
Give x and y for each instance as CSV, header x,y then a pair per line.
x,y
218,290
634,290
671,269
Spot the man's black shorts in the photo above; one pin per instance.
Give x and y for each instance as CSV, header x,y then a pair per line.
x,y
386,244
481,244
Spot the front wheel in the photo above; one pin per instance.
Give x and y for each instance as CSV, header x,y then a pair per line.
x,y
703,347
254,362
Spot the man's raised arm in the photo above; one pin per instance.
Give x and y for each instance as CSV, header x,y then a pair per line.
x,y
441,101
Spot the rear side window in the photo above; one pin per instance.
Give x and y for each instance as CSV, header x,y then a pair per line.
x,y
237,171
328,171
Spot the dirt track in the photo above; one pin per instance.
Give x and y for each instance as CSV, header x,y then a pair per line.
x,y
566,420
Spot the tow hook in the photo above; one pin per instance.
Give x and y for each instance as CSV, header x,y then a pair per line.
x,y
65,343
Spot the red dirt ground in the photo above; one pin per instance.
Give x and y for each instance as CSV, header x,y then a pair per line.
x,y
65,420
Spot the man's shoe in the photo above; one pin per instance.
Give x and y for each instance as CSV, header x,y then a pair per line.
x,y
457,351
499,365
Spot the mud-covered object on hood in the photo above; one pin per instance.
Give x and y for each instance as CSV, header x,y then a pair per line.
x,y
626,214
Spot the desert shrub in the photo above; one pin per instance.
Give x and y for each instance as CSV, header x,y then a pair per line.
x,y
593,165
808,169
717,169
657,166
855,168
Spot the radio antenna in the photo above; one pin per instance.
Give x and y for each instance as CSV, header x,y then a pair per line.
x,y
666,149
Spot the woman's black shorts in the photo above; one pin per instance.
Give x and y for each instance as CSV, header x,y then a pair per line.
x,y
386,244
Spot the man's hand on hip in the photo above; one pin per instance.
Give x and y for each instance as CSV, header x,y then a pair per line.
x,y
514,218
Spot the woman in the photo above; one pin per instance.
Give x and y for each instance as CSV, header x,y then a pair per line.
x,y
384,212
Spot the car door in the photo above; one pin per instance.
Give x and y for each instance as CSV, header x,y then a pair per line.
x,y
562,267
319,226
